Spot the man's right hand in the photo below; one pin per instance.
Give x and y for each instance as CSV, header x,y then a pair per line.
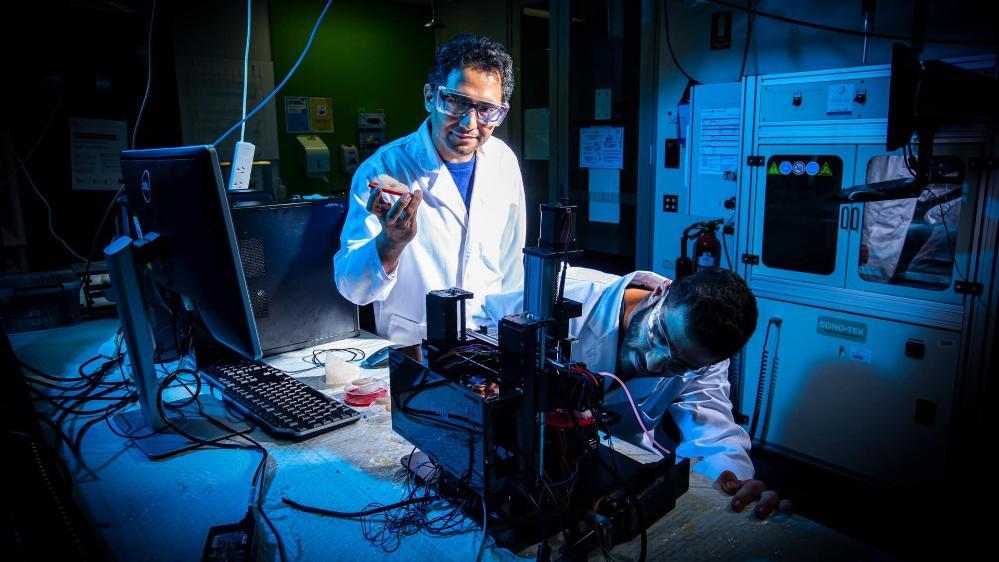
x,y
398,220
745,492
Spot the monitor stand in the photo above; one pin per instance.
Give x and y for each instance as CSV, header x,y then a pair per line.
x,y
203,419
189,418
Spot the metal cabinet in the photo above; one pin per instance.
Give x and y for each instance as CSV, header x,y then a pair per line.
x,y
865,294
804,153
866,395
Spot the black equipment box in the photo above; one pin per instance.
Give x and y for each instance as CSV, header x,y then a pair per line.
x,y
474,441
469,437
287,253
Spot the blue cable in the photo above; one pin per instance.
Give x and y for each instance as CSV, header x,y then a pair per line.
x,y
246,66
270,96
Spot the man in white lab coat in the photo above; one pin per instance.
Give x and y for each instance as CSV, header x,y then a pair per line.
x,y
460,219
670,343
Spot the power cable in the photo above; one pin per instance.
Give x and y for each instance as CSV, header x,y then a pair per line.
x,y
149,73
246,67
288,76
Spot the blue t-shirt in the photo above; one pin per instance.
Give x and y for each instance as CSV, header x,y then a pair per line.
x,y
462,173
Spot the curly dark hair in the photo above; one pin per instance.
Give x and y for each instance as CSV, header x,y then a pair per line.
x,y
476,52
721,310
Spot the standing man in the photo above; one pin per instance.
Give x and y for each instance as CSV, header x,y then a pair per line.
x,y
460,221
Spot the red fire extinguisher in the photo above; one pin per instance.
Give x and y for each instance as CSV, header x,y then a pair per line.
x,y
707,247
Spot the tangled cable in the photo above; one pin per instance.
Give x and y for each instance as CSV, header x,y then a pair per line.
x,y
423,509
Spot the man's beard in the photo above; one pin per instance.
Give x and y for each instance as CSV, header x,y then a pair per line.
x,y
631,351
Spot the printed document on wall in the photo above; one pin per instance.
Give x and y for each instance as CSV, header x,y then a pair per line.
x,y
95,152
719,150
601,147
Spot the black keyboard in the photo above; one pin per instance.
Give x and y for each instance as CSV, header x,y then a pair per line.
x,y
281,405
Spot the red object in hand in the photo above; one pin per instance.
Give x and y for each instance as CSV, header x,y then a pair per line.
x,y
374,184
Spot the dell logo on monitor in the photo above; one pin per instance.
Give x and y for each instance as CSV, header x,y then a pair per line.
x,y
147,191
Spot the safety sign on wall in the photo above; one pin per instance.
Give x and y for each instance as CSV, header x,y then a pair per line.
x,y
321,114
798,168
296,114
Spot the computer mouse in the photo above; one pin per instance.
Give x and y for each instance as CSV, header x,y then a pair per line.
x,y
377,359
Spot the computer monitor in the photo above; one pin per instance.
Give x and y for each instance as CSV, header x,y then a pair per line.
x,y
179,237
179,194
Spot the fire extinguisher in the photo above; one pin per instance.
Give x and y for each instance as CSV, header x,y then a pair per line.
x,y
707,248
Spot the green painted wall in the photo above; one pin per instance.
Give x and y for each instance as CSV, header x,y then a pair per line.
x,y
367,55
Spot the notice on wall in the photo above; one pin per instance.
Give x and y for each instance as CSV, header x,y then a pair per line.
x,y
719,152
605,195
601,147
321,114
95,152
296,114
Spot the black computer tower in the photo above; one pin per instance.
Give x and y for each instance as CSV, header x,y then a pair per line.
x,y
287,253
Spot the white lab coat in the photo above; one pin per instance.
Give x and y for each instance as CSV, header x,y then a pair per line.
x,y
482,254
700,406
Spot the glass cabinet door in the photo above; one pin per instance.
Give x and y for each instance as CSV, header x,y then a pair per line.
x,y
800,231
907,247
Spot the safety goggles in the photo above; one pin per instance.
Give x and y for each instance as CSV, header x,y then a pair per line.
x,y
456,104
660,350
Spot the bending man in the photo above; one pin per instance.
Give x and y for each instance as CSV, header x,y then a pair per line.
x,y
670,343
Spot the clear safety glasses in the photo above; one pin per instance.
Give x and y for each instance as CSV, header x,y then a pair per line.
x,y
456,104
660,350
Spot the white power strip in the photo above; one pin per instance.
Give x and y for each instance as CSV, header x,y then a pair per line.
x,y
242,164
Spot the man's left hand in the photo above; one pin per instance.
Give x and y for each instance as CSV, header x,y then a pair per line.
x,y
745,492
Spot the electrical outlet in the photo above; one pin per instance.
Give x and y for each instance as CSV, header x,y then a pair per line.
x,y
671,203
242,164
